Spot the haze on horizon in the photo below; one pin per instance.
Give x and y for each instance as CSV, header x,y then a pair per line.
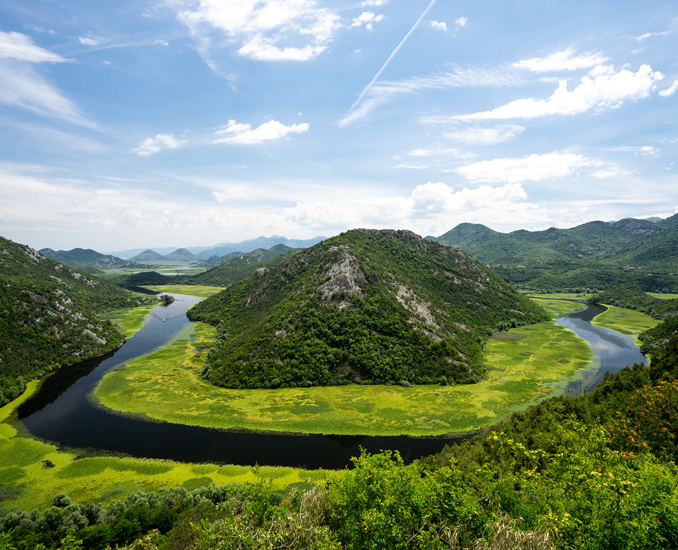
x,y
194,122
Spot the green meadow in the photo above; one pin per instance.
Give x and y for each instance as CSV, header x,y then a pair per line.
x,y
558,307
524,366
663,296
32,472
190,290
626,321
131,320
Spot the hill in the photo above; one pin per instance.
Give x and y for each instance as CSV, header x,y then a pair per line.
x,y
183,255
48,316
251,245
85,257
595,254
631,296
146,256
371,306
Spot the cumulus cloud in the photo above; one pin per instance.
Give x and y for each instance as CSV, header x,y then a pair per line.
x,y
603,91
366,3
156,144
366,18
461,21
486,136
564,60
244,134
530,168
669,91
266,30
439,25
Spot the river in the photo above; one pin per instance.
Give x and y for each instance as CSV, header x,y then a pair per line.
x,y
60,411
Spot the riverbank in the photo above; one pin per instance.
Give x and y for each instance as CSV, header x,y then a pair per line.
x,y
625,321
166,386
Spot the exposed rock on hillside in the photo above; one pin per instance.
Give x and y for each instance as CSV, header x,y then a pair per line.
x,y
376,306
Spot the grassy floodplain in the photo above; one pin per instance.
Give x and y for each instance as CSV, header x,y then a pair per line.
x,y
626,321
190,290
558,306
131,320
28,481
663,296
524,368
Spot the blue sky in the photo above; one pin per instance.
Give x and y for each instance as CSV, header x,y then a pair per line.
x,y
191,122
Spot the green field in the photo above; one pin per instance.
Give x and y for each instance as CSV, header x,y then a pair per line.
x,y
662,296
131,320
558,307
626,321
560,295
191,290
29,482
165,385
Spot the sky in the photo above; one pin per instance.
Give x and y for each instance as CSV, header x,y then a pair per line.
x,y
145,123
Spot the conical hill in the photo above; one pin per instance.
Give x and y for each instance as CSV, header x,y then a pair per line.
x,y
367,306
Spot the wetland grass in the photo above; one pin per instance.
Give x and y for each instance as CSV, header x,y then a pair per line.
x,y
165,385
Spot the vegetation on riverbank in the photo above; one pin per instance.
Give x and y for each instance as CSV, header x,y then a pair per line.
x,y
626,321
632,297
166,386
50,316
131,320
190,290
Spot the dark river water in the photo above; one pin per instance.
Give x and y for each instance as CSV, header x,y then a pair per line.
x,y
61,413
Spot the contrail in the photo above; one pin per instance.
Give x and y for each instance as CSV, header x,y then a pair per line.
x,y
392,55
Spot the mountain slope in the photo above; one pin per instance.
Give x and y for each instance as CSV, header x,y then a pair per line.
x,y
84,257
146,256
181,254
48,316
369,305
253,244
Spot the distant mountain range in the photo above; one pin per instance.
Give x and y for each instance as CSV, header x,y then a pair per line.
x,y
595,254
221,249
85,257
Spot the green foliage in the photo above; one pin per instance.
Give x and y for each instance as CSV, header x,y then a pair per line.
x,y
366,306
631,296
48,316
593,255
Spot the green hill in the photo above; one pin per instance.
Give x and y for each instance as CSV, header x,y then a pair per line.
x,y
631,296
48,316
595,254
375,306
81,257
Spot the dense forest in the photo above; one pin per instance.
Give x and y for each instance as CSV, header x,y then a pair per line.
x,y
367,306
595,255
48,316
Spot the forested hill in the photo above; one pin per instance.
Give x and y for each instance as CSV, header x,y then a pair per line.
x,y
374,306
631,296
48,316
596,254
85,257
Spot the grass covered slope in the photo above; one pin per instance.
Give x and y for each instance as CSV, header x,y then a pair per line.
x,y
48,316
377,306
631,296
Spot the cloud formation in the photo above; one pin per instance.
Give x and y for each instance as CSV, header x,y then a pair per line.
x,y
244,134
156,144
604,91
439,25
20,47
530,168
367,18
486,136
266,30
668,92
561,61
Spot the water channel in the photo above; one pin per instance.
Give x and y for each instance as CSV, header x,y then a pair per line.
x,y
60,411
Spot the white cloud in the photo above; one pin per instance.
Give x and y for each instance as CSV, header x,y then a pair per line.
x,y
440,151
461,21
561,61
530,168
265,30
644,150
89,40
366,18
243,134
156,144
458,77
20,47
366,3
439,25
651,34
486,136
611,172
609,90
413,166
669,91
